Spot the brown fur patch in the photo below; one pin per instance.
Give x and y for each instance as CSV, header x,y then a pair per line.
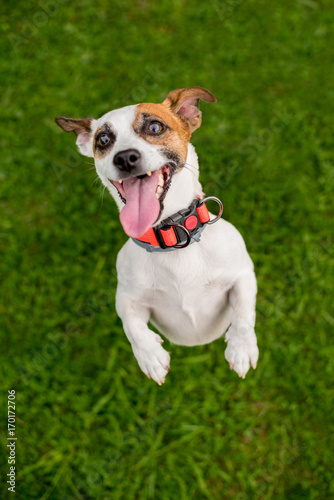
x,y
77,125
177,134
184,102
176,98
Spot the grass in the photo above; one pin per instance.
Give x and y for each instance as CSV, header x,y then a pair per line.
x,y
89,424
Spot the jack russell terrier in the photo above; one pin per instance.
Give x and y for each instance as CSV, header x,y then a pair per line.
x,y
184,270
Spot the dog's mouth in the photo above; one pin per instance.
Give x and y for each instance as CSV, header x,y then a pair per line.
x,y
164,182
142,197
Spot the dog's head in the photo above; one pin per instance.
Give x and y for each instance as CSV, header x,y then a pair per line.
x,y
138,150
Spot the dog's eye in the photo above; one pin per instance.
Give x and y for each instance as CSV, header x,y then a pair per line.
x,y
155,128
103,140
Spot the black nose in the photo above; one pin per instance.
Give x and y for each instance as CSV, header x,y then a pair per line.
x,y
127,160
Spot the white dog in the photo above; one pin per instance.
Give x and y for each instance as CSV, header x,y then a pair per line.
x,y
190,278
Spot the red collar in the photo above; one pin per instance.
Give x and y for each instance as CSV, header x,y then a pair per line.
x,y
180,229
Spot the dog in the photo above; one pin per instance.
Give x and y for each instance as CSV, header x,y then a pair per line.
x,y
183,270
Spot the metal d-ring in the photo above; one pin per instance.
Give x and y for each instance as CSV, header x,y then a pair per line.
x,y
187,234
217,200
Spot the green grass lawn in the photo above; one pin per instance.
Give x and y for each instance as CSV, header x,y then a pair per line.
x,y
89,424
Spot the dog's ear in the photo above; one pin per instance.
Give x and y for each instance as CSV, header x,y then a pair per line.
x,y
184,102
83,131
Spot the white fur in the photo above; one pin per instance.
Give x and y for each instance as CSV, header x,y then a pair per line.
x,y
191,295
121,122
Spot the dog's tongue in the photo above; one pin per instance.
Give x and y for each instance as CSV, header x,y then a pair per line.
x,y
142,207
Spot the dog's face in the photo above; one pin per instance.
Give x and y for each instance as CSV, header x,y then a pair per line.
x,y
138,149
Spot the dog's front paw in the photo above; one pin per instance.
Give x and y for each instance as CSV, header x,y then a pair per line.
x,y
153,359
240,353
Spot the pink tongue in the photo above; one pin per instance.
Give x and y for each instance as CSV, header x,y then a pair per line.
x,y
142,207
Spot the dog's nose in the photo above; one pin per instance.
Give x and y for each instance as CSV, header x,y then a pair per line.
x,y
127,160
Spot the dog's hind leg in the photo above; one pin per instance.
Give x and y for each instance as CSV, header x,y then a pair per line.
x,y
146,345
242,345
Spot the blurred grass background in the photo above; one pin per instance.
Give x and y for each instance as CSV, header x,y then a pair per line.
x,y
89,423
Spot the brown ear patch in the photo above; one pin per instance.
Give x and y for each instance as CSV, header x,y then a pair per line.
x,y
175,98
184,103
76,125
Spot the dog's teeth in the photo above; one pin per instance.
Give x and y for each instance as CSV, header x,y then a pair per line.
x,y
160,187
159,191
121,182
149,174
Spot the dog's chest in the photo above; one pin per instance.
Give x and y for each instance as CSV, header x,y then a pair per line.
x,y
187,308
183,292
183,277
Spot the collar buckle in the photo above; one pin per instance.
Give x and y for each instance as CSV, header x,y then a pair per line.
x,y
187,233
